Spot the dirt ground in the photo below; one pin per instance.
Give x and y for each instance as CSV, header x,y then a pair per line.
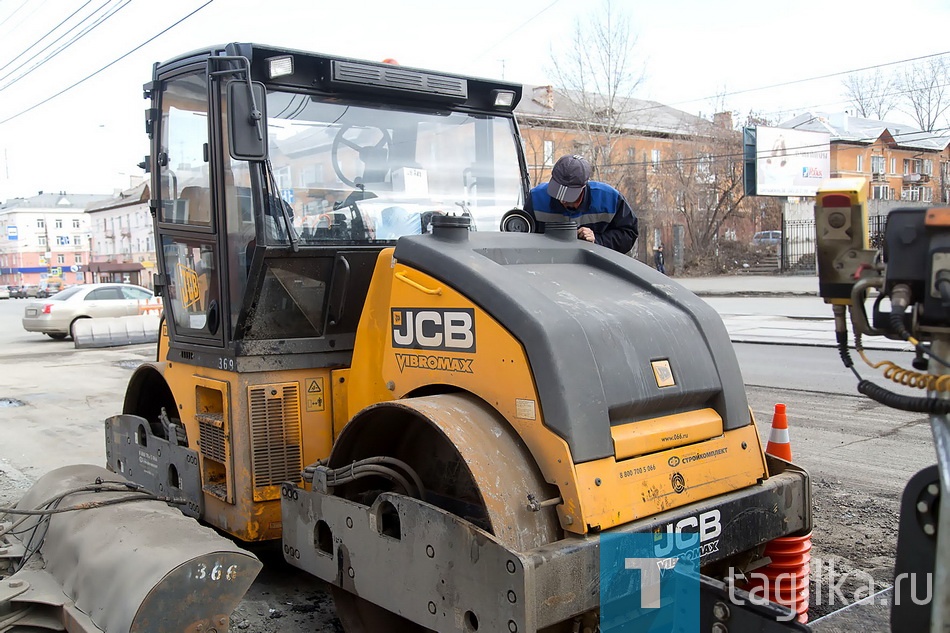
x,y
859,456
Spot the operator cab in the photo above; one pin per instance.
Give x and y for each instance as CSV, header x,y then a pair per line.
x,y
280,175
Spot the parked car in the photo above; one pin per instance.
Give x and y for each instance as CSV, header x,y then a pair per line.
x,y
769,239
56,315
48,289
25,292
4,292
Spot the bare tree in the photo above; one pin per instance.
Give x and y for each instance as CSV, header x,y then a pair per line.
x,y
597,73
873,95
924,88
704,185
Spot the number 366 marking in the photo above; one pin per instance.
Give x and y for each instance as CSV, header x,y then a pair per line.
x,y
217,572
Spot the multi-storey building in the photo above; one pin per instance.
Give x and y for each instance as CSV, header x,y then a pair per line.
x,y
899,161
122,245
45,236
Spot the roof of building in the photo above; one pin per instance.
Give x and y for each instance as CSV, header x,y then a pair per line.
x,y
59,200
131,196
638,115
846,128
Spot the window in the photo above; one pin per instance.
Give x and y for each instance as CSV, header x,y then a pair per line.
x,y
655,159
60,259
877,164
41,240
911,193
928,167
708,199
548,153
111,293
59,223
78,258
283,177
860,163
136,294
705,164
185,186
893,165
880,192
680,200
76,224
927,194
41,223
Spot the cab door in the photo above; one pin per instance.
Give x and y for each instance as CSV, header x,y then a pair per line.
x,y
187,226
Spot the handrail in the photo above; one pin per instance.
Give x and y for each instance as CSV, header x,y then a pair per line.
x,y
415,284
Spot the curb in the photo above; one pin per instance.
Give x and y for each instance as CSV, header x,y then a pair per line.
x,y
753,293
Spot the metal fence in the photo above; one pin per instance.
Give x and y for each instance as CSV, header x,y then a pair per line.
x,y
798,254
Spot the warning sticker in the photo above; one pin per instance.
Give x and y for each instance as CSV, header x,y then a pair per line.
x,y
315,393
525,409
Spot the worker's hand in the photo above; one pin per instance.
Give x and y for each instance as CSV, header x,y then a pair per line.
x,y
585,233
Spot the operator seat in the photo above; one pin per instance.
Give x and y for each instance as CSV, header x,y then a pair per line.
x,y
197,207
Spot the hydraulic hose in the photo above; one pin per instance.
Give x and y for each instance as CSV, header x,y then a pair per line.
x,y
931,406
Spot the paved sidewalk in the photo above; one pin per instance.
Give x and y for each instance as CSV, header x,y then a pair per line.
x,y
752,285
813,326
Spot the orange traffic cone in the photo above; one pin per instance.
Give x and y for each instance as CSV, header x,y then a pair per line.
x,y
779,445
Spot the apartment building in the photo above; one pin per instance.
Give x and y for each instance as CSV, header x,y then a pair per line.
x,y
44,236
122,241
899,161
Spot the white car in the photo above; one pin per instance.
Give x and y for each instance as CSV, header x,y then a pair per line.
x,y
55,315
4,292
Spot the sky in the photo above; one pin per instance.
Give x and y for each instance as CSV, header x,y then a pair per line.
x,y
696,55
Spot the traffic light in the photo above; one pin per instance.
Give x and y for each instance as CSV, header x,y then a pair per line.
x,y
841,227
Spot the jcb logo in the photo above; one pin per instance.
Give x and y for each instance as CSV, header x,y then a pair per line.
x,y
445,330
687,532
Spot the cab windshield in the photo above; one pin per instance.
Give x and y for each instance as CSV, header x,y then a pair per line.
x,y
363,173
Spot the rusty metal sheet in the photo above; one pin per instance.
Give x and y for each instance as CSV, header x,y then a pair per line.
x,y
138,566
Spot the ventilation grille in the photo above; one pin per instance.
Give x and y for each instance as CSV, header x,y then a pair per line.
x,y
275,434
187,355
211,431
401,79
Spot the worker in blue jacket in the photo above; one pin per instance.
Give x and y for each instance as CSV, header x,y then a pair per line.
x,y
600,211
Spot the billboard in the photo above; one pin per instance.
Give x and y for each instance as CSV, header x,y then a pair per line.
x,y
790,162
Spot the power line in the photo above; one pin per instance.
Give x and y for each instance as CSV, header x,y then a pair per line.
x,y
827,76
787,83
15,11
47,34
705,157
86,30
110,64
34,6
515,30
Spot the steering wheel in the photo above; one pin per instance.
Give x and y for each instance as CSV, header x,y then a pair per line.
x,y
374,156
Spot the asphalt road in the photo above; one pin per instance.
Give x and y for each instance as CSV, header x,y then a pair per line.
x,y
54,398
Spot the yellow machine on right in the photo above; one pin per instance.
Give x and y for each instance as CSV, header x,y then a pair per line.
x,y
907,285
